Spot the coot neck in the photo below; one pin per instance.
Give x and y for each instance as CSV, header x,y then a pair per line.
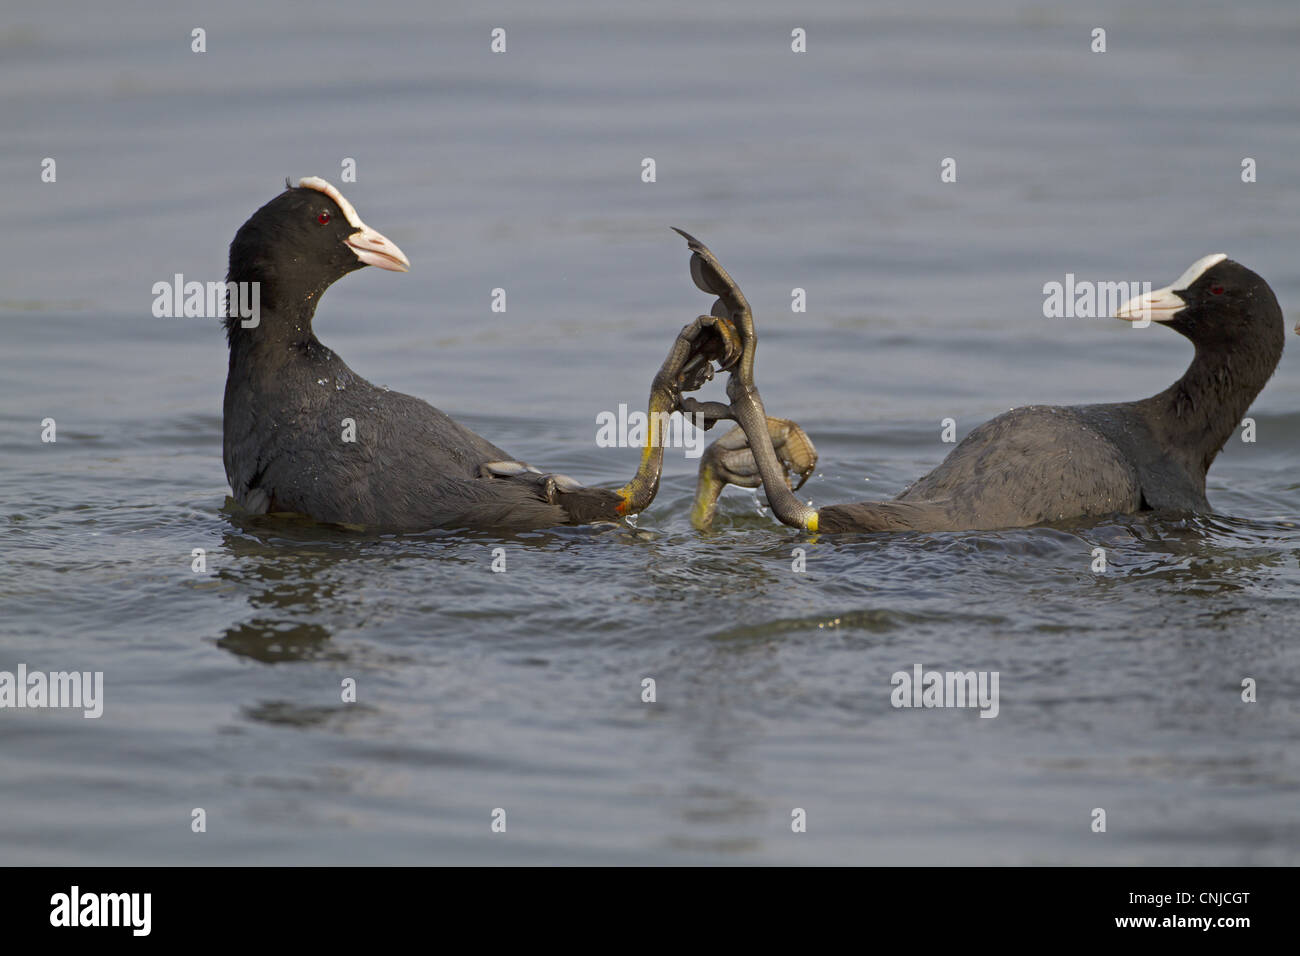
x,y
283,330
1195,417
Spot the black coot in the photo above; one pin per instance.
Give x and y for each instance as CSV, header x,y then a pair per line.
x,y
1046,463
410,467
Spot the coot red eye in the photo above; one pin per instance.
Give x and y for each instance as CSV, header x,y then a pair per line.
x,y
323,218
1216,290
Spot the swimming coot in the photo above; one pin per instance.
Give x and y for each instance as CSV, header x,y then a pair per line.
x,y
306,434
1045,463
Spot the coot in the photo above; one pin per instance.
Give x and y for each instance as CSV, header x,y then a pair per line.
x,y
306,434
1045,463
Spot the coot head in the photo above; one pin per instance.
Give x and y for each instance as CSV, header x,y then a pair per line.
x,y
302,241
1217,303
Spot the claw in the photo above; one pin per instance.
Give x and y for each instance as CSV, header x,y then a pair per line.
x,y
710,412
710,338
729,461
794,449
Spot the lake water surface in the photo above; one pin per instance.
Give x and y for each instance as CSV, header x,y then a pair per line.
x,y
522,690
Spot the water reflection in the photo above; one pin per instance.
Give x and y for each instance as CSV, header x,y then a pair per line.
x,y
272,641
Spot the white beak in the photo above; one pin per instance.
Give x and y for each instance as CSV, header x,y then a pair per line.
x,y
375,249
1161,305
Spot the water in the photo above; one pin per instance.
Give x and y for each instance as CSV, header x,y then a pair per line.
x,y
523,690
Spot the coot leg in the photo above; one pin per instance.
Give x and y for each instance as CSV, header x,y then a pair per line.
x,y
729,461
746,406
689,365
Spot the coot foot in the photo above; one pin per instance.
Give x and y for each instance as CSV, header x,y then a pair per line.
x,y
709,339
745,406
729,460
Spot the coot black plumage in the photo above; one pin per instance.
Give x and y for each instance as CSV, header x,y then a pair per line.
x,y
410,467
1046,463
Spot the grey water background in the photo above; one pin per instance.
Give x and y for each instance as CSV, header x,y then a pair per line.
x,y
523,690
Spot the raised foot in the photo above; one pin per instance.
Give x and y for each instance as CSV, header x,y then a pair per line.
x,y
689,364
730,461
709,276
